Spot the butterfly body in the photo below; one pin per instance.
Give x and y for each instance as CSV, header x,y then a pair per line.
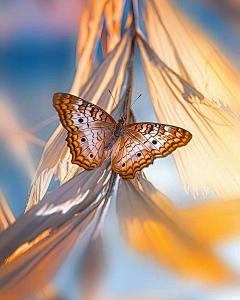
x,y
93,136
119,130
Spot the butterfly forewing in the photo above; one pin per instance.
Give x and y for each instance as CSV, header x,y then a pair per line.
x,y
142,143
78,114
89,128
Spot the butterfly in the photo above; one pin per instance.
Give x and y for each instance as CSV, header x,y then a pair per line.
x,y
94,135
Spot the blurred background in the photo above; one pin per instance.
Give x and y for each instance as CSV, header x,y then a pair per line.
x,y
38,58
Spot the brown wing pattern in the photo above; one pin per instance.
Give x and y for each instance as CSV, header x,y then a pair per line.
x,y
77,114
87,148
89,128
142,143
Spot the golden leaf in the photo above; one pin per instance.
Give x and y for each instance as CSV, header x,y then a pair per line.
x,y
6,216
212,158
187,51
153,226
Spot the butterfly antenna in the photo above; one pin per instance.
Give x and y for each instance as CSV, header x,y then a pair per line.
x,y
115,102
134,101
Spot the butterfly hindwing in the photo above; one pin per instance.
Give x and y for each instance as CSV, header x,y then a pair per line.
x,y
142,143
125,160
89,128
87,148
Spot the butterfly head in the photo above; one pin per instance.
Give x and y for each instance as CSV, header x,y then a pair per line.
x,y
121,121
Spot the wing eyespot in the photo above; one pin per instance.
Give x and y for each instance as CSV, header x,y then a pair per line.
x,y
123,165
91,155
80,120
154,142
83,139
139,154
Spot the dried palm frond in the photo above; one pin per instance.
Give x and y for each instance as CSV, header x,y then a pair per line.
x,y
153,226
6,216
89,30
215,131
187,51
215,221
42,238
114,11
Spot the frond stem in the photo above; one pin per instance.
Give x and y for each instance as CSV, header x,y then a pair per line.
x,y
105,206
